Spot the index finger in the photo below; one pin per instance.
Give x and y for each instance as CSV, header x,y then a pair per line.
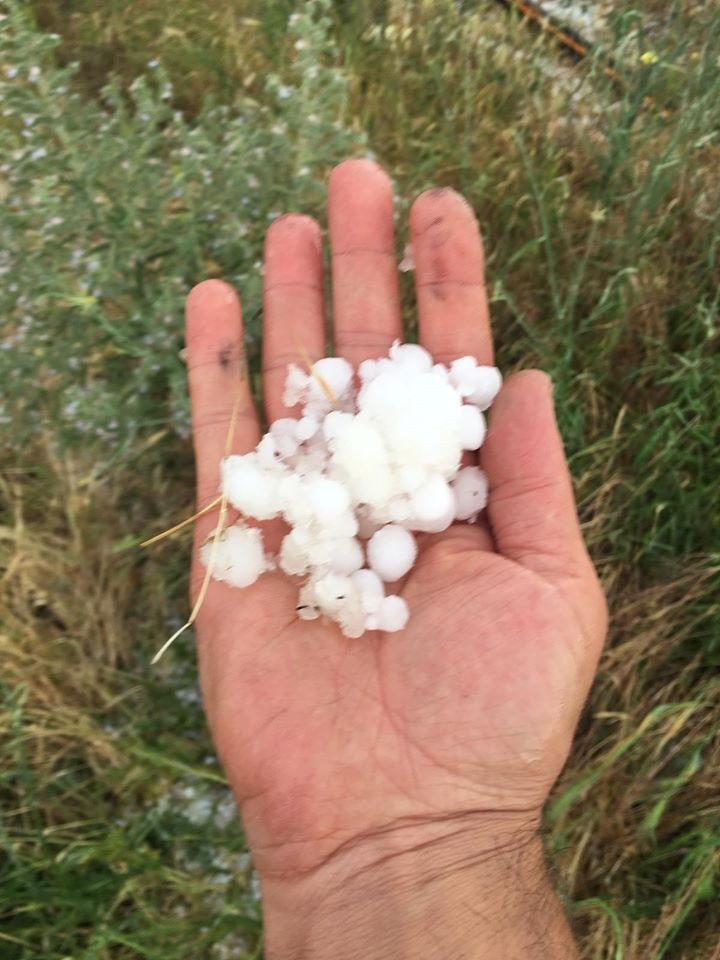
x,y
365,291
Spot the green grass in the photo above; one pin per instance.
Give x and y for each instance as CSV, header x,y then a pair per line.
x,y
600,214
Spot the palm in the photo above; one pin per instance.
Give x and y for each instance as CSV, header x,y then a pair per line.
x,y
473,705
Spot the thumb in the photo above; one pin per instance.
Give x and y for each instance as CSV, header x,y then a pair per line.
x,y
531,506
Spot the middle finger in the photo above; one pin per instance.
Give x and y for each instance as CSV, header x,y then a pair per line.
x,y
366,298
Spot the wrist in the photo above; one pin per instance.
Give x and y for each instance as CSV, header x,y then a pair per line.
x,y
459,886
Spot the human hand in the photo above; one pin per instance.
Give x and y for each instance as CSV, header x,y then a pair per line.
x,y
440,743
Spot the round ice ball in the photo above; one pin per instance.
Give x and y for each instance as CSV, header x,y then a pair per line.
x,y
471,489
305,428
283,433
432,500
411,355
360,455
266,451
418,417
391,552
472,427
487,383
346,555
327,498
372,590
297,383
409,477
333,591
333,373
335,423
238,557
294,554
250,488
438,524
462,375
284,426
307,611
367,370
392,614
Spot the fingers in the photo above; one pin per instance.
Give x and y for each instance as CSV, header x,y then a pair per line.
x,y
218,380
366,300
449,277
294,313
531,505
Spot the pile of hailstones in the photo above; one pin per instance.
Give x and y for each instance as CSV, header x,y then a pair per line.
x,y
370,461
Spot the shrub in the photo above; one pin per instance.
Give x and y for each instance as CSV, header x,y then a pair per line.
x,y
114,208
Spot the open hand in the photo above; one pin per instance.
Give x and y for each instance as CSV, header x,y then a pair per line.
x,y
333,745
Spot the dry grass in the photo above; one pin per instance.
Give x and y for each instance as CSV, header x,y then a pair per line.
x,y
633,814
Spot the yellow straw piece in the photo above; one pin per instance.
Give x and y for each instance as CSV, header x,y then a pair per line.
x,y
183,523
213,550
203,589
325,386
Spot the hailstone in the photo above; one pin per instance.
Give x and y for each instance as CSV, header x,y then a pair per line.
x,y
238,556
393,614
470,487
391,552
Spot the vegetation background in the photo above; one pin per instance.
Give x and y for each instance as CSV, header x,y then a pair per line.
x,y
145,145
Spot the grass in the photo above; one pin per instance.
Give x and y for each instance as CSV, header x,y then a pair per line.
x,y
600,215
